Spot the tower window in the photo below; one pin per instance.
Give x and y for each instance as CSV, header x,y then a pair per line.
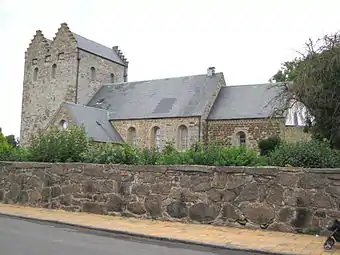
x,y
54,69
48,58
35,74
112,76
61,56
93,73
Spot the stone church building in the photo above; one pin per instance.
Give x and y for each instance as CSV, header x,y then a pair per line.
x,y
71,80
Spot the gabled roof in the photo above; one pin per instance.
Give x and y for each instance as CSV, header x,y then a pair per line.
x,y
95,121
163,98
244,102
98,49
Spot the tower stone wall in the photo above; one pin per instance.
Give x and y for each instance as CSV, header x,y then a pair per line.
x,y
58,70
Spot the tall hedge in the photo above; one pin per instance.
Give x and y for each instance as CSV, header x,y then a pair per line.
x,y
311,154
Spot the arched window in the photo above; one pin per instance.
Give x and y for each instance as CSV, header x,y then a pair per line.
x,y
35,74
131,137
63,124
93,73
54,69
182,137
296,120
112,76
241,138
156,138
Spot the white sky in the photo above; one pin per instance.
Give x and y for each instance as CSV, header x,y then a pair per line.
x,y
245,39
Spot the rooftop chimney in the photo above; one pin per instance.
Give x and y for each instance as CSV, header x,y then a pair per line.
x,y
211,71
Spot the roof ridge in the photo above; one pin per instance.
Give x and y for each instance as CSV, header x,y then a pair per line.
x,y
255,84
85,106
158,79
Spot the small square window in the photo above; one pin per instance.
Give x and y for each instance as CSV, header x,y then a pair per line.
x,y
48,58
61,56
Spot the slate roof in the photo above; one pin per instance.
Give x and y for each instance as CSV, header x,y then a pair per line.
x,y
163,98
97,48
244,102
95,121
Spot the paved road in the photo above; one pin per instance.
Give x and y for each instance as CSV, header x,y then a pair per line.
x,y
21,237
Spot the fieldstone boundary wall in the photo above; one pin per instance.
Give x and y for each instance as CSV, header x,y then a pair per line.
x,y
279,199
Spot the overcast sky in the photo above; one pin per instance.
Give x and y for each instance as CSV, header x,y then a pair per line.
x,y
245,39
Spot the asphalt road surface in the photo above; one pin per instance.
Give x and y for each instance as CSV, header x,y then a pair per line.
x,y
22,237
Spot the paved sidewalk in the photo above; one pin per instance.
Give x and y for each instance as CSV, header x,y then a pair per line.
x,y
276,242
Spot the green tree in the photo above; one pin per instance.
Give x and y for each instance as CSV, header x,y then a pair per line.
x,y
5,148
12,140
287,72
313,79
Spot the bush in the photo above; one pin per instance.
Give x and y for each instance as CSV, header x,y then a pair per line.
x,y
213,154
18,154
109,153
5,148
268,145
313,154
58,145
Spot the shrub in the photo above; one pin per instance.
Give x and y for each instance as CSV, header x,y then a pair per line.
x,y
313,154
268,145
149,156
232,156
213,154
170,156
5,148
19,154
109,153
58,145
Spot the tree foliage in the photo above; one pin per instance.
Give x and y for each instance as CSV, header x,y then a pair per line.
x,y
5,148
59,145
313,154
313,79
268,145
12,140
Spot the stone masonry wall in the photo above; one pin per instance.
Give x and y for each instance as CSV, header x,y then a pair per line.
x,y
293,200
104,68
168,128
204,134
42,97
295,134
62,115
255,130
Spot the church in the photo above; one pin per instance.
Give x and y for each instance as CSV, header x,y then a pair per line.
x,y
72,80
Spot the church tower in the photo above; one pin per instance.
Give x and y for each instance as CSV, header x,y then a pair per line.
x,y
68,68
